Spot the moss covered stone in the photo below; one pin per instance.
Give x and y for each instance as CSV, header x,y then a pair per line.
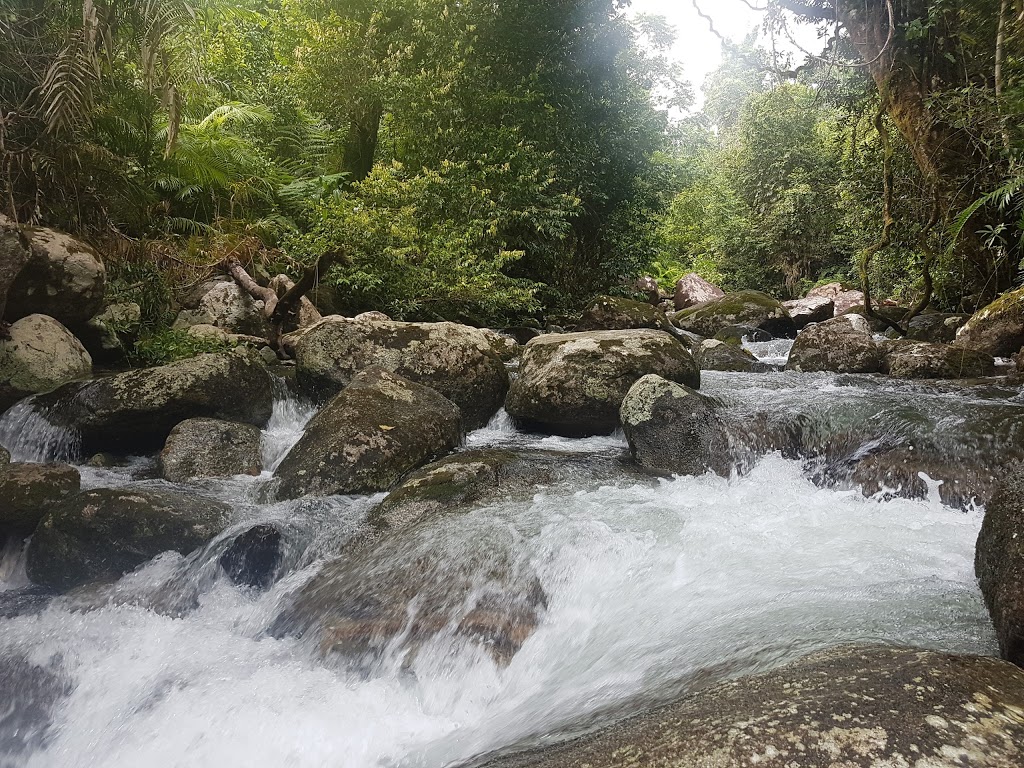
x,y
922,360
40,355
841,345
715,355
998,329
211,448
749,308
29,491
999,563
612,313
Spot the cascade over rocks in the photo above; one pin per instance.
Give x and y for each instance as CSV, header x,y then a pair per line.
x,y
935,327
749,308
456,360
137,410
855,707
211,448
999,563
105,533
842,345
379,427
692,289
29,491
813,309
672,429
715,355
573,384
906,359
40,355
997,329
610,313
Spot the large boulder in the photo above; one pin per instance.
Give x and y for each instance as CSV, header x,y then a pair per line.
x,y
380,427
573,384
746,308
504,346
999,563
935,327
40,355
842,298
211,448
456,360
226,305
104,533
29,491
851,707
997,329
674,430
813,309
63,278
886,315
112,332
715,355
692,289
906,359
136,410
842,345
609,313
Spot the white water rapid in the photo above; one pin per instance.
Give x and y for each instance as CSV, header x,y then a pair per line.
x,y
652,586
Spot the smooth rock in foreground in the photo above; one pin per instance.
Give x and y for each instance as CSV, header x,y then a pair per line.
x,y
999,563
841,345
211,448
869,707
40,355
573,384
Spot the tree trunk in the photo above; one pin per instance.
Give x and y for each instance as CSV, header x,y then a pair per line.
x,y
361,143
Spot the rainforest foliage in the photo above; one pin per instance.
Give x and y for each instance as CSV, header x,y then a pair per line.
x,y
487,161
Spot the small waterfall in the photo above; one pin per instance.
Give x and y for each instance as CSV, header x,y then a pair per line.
x,y
287,422
31,437
12,564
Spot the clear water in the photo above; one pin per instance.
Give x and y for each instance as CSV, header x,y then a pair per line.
x,y
652,587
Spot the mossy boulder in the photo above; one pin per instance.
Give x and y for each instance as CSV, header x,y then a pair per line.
x,y
907,359
211,448
456,360
380,427
29,491
842,345
935,327
503,345
997,329
40,355
610,313
113,331
715,355
750,308
105,533
999,563
573,384
855,707
136,410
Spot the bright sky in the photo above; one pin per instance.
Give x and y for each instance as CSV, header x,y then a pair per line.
x,y
698,49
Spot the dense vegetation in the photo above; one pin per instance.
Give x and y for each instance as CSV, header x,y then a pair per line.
x,y
488,161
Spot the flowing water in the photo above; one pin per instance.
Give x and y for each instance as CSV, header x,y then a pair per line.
x,y
652,587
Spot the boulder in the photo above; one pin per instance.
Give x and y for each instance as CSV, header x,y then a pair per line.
x,y
715,355
841,345
136,410
254,557
813,309
211,448
648,286
40,355
523,334
843,298
225,305
573,384
893,313
692,289
63,278
456,360
737,334
999,563
115,330
851,707
105,533
5,461
935,327
379,427
674,430
997,329
906,359
29,491
749,308
503,345
609,313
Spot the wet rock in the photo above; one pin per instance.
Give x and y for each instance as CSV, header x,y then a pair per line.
x,y
692,289
737,334
455,360
922,360
673,429
573,384
935,327
521,333
715,355
136,410
31,693
115,330
211,448
64,279
40,355
5,462
842,345
609,313
504,346
813,309
999,563
997,329
225,305
29,491
843,298
855,707
253,559
379,428
107,532
750,308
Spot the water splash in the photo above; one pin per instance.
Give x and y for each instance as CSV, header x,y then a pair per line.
x,y
287,422
30,437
